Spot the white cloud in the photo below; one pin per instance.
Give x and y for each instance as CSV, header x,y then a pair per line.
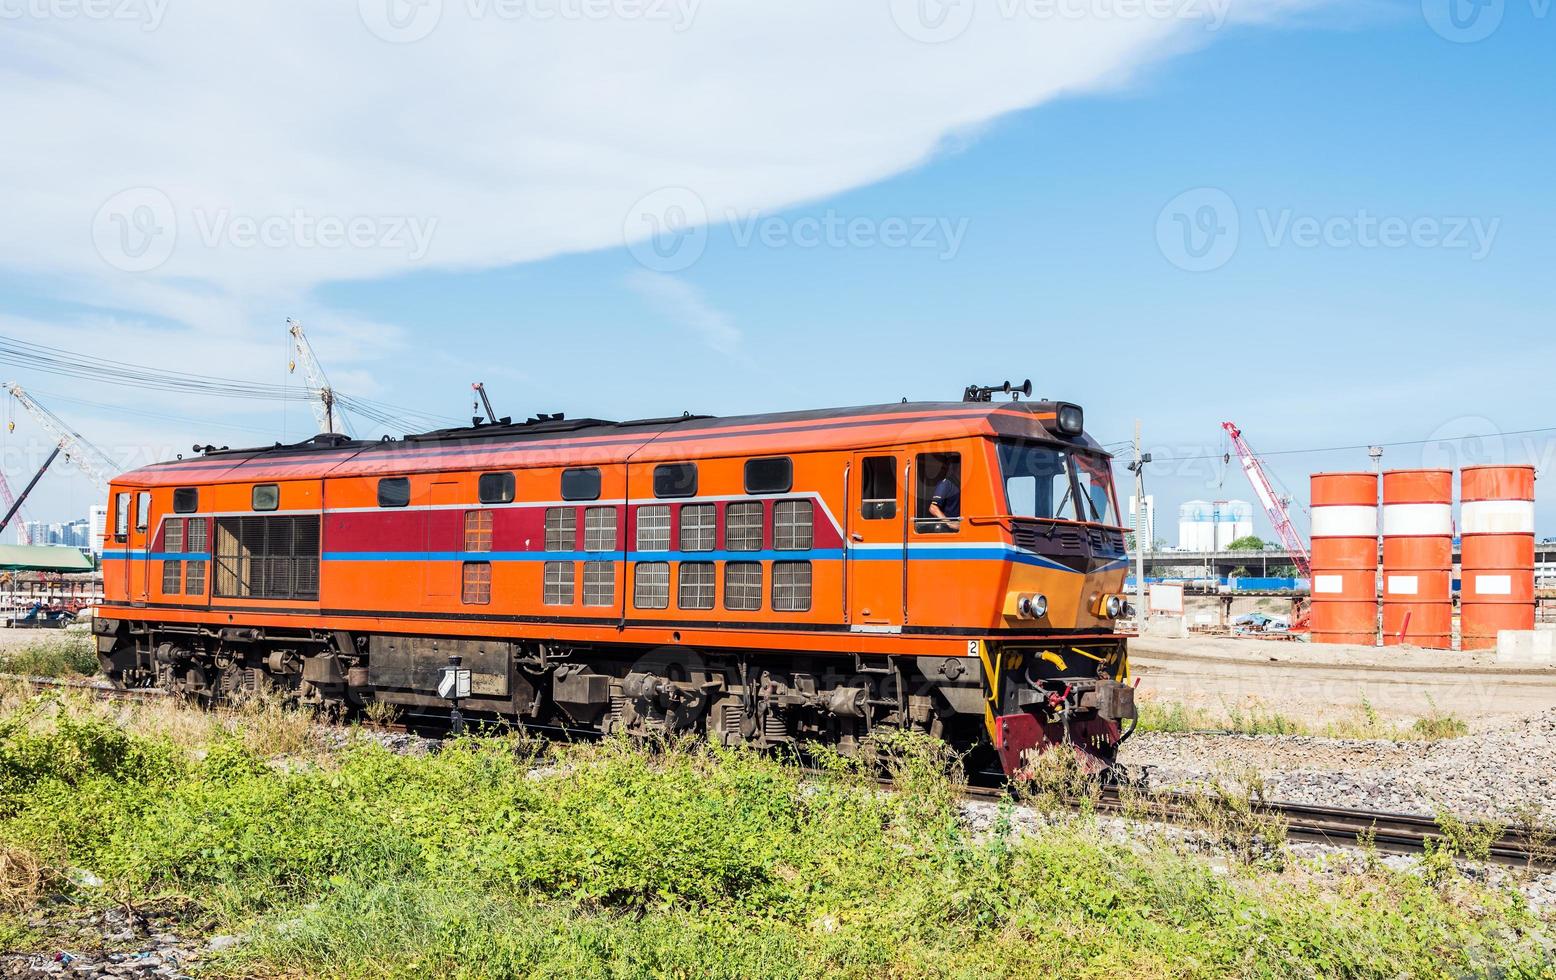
x,y
272,147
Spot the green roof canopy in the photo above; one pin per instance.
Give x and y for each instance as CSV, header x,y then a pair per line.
x,y
43,558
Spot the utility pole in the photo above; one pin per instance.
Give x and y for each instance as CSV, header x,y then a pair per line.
x,y
1376,452
1142,527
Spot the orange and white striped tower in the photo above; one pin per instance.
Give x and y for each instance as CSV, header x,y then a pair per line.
x,y
1496,589
1418,558
1345,558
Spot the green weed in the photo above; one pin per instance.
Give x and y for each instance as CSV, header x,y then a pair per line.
x,y
498,857
69,654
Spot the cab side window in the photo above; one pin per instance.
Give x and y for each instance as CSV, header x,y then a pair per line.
x,y
938,493
879,499
121,517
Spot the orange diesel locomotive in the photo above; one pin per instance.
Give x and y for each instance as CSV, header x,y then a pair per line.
x,y
768,579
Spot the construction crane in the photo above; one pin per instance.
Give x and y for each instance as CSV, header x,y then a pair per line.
x,y
1274,504
317,381
9,502
90,460
16,504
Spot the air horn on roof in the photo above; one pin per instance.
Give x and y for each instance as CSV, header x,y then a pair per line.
x,y
985,393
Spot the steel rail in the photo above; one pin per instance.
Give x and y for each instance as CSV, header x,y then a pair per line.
x,y
1399,833
99,689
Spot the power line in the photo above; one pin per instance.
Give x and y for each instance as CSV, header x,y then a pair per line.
x,y
1341,449
54,396
71,364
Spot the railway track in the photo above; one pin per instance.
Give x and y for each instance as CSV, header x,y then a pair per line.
x,y
1403,833
100,690
1398,833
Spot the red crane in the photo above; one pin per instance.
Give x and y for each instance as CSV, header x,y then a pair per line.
x,y
8,501
1274,504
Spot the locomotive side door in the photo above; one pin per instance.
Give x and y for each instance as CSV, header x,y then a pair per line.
x,y
116,574
877,542
444,537
142,531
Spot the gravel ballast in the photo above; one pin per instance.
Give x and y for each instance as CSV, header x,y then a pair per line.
x,y
1505,773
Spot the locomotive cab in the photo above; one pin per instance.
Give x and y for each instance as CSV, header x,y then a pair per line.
x,y
1059,674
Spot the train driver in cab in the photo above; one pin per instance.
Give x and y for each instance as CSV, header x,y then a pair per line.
x,y
945,505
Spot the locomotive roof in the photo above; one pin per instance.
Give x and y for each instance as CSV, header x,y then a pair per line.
x,y
555,440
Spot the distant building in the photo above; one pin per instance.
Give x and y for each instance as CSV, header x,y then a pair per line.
x,y
74,534
1212,525
77,534
1150,518
97,526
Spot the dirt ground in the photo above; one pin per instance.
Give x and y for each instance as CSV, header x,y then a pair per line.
x,y
10,638
1322,683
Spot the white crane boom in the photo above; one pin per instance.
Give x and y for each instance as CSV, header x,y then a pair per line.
x,y
88,458
313,374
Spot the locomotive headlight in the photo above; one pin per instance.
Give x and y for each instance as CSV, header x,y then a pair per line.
x,y
1114,607
1070,420
1033,606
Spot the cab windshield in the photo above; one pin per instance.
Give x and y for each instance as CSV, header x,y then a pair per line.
x,y
1055,484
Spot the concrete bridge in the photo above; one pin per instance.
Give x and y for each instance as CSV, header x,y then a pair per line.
x,y
1263,564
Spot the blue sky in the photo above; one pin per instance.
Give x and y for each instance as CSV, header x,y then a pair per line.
x,y
1050,246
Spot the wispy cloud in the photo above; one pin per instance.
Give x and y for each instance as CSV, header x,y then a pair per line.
x,y
685,305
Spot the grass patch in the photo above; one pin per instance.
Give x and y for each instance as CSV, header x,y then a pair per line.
x,y
62,654
503,857
1253,718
